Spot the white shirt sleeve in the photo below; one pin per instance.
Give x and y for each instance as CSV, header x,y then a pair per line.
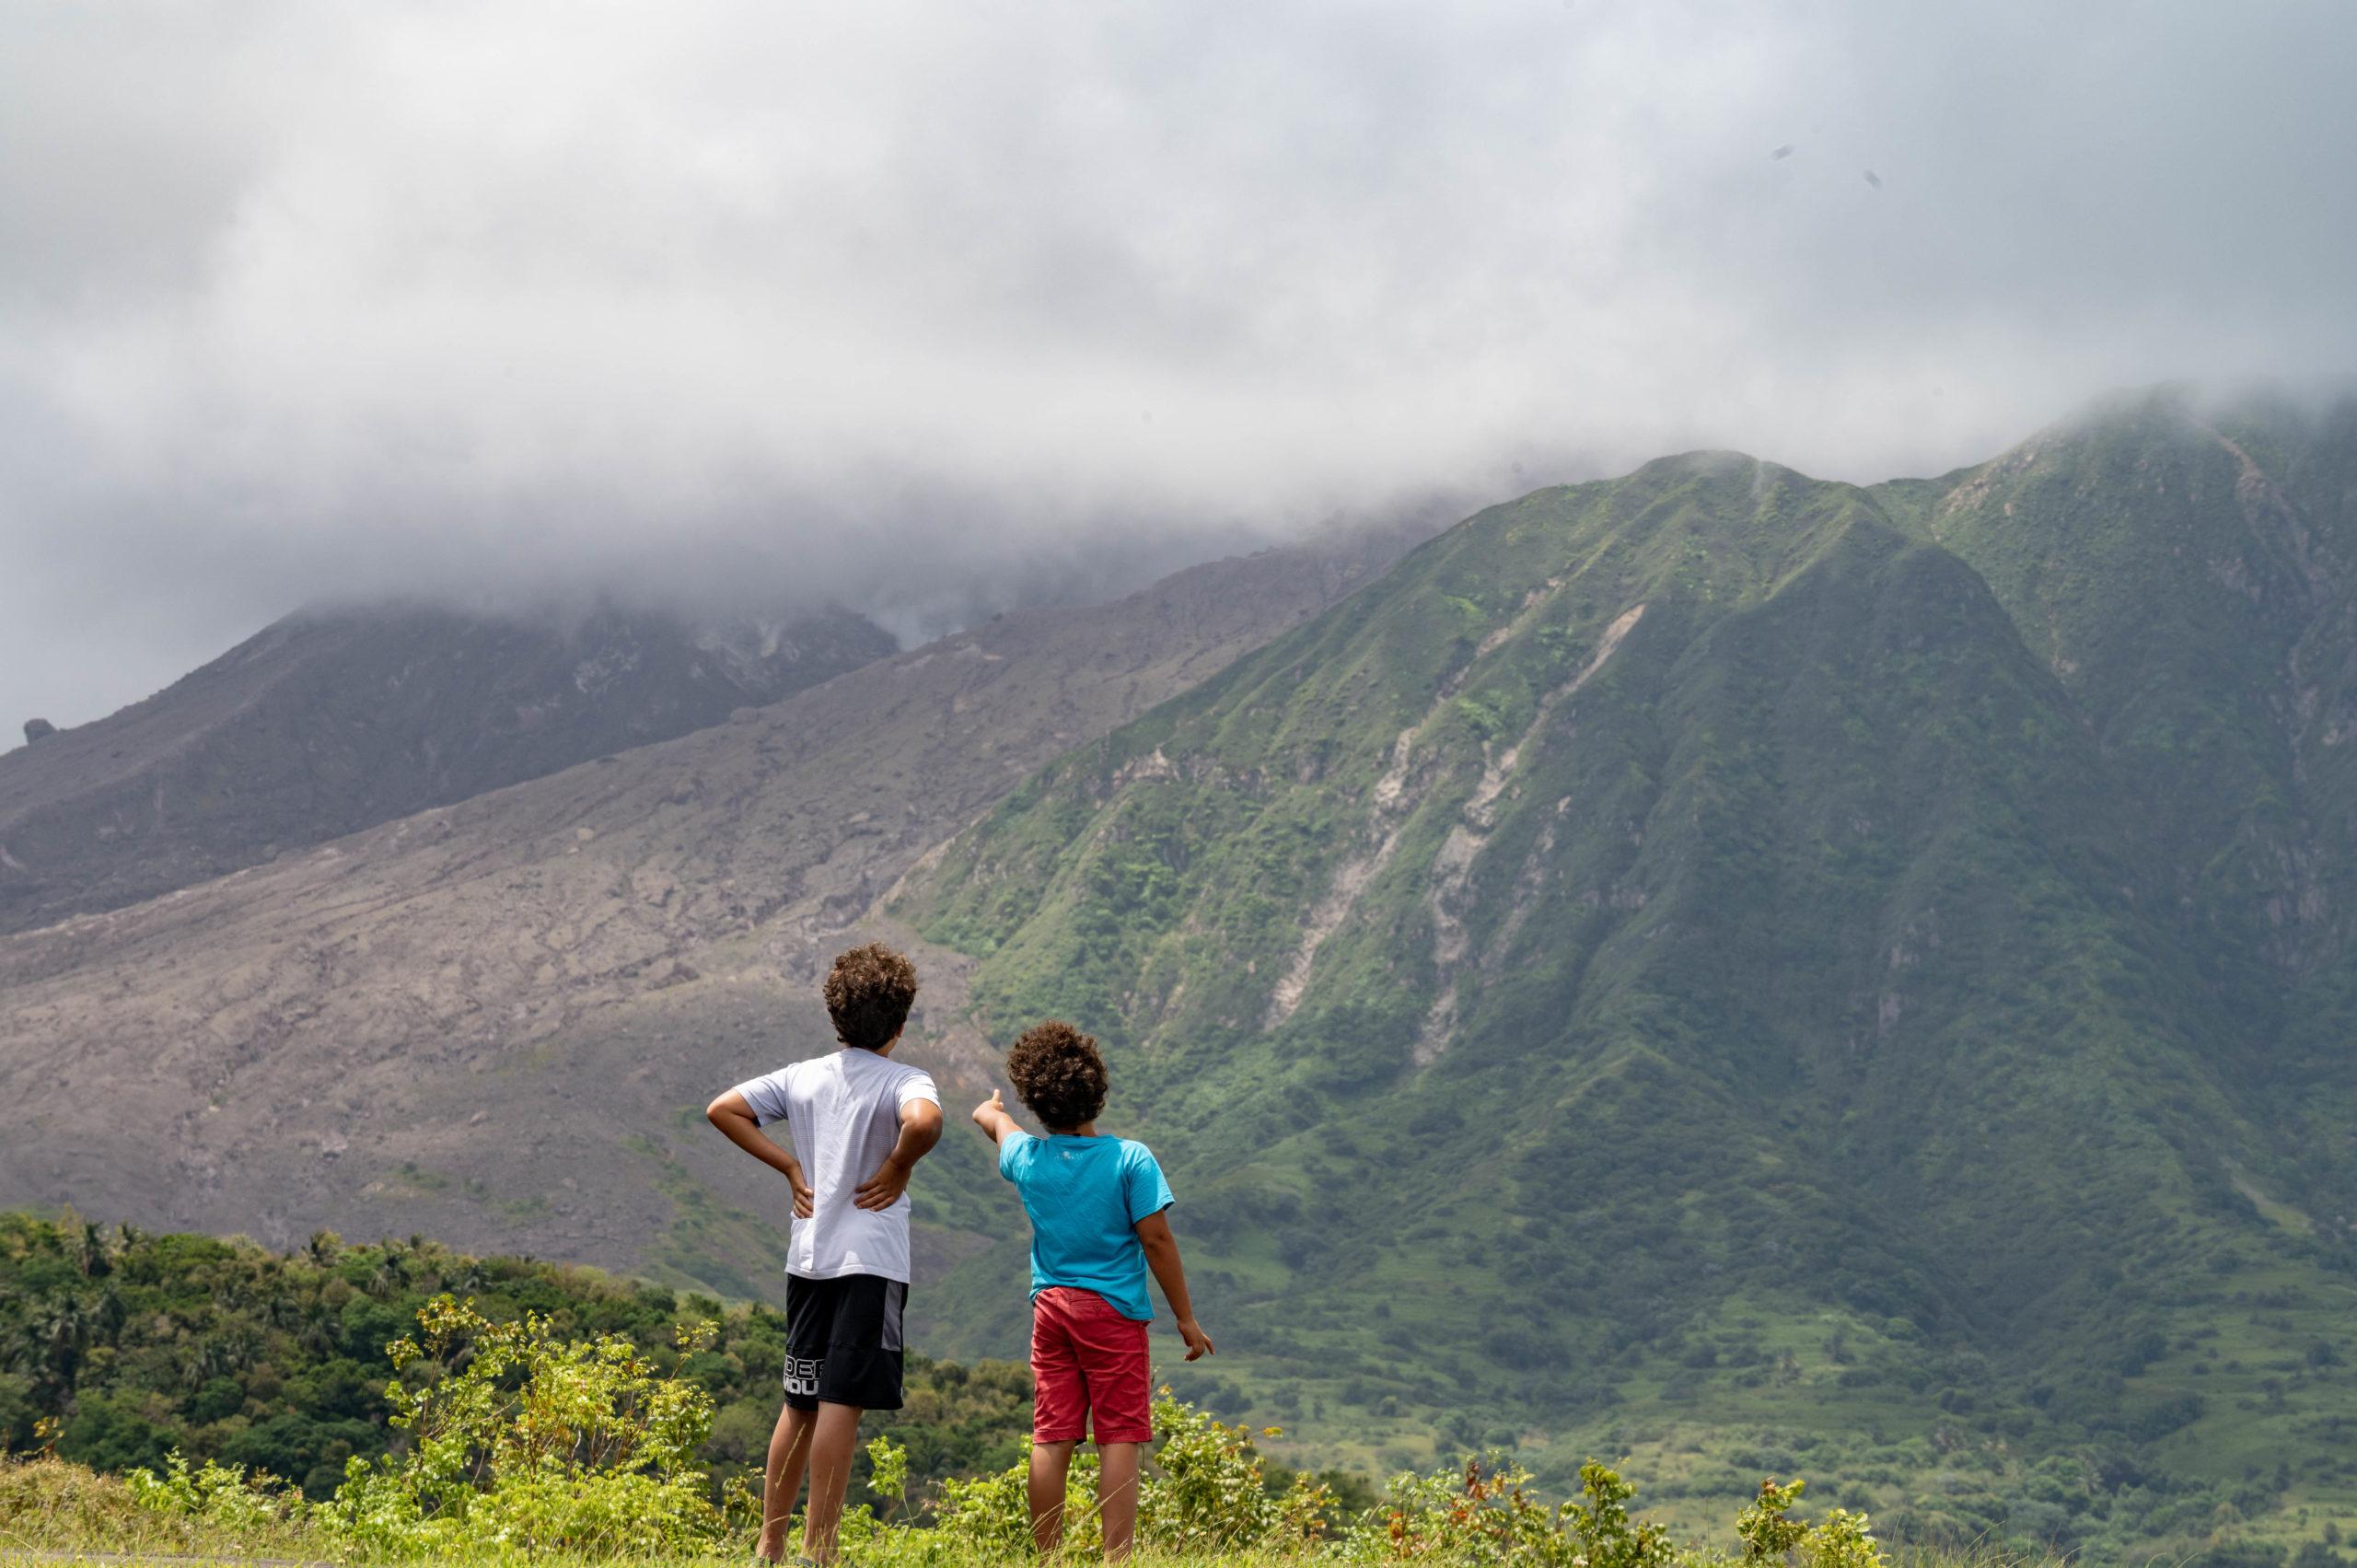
x,y
765,1095
917,1086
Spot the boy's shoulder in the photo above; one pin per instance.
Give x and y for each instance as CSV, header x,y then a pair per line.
x,y
1138,1167
771,1094
810,1070
850,1065
901,1075
1112,1154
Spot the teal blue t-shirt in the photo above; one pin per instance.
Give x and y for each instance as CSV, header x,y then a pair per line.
x,y
1086,1197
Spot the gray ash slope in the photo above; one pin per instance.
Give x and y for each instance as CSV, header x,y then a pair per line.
x,y
334,721
495,1021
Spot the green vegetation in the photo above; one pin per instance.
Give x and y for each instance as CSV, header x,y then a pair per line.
x,y
630,1419
1483,1515
516,1435
1713,962
519,1443
139,1346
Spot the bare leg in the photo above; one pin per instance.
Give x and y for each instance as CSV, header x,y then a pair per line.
x,y
1051,1464
831,1451
1117,1497
789,1451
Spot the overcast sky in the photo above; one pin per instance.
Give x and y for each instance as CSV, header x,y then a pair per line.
x,y
919,304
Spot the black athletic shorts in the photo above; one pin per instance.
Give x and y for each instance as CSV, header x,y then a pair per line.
x,y
843,1342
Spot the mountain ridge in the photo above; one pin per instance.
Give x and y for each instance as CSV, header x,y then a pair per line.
x,y
431,1025
1818,874
330,721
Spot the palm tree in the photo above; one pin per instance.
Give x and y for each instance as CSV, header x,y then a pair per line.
x,y
59,1328
321,1332
89,1251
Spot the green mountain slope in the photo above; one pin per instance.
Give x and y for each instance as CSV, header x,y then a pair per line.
x,y
1674,951
2190,576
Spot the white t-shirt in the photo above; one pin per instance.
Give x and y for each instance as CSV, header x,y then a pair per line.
x,y
843,1112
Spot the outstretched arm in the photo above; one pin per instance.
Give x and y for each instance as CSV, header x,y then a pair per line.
x,y
992,1118
1162,1257
741,1127
920,1130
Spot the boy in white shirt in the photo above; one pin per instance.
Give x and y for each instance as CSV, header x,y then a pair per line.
x,y
862,1121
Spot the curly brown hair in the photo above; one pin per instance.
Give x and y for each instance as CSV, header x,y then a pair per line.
x,y
869,992
1059,1074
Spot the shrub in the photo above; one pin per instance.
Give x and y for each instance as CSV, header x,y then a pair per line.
x,y
1485,1514
1211,1495
218,1493
990,1516
18,1412
539,1444
1843,1540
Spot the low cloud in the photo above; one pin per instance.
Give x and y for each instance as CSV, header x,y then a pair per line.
x,y
933,307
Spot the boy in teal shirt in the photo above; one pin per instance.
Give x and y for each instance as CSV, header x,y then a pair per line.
x,y
1097,1204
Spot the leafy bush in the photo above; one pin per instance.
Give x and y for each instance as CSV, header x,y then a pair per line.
x,y
990,1516
218,1493
1486,1516
1209,1495
539,1444
1212,1495
1843,1540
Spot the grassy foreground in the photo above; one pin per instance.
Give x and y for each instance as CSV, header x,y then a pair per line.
x,y
54,1510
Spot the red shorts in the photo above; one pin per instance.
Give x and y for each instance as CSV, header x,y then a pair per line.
x,y
1087,1356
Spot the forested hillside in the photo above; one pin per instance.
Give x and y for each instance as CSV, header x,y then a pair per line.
x,y
1716,943
2190,577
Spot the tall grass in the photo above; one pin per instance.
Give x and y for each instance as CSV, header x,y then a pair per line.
x,y
48,1505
